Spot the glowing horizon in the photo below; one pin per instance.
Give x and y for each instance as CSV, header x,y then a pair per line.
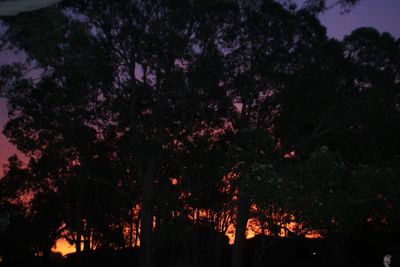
x,y
62,246
253,229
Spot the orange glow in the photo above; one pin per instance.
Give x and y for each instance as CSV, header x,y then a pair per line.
x,y
227,180
313,234
63,247
230,233
253,228
285,223
174,181
135,213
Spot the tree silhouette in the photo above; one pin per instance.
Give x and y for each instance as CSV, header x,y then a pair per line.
x,y
159,120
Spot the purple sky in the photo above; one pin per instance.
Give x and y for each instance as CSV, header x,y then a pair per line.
x,y
381,14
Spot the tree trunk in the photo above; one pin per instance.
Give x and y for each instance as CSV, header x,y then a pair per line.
x,y
240,235
78,242
196,239
86,238
131,229
79,262
146,244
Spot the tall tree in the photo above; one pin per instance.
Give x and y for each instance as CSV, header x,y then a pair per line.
x,y
158,82
155,80
271,45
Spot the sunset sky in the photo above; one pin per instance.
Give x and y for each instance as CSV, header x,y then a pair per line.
x,y
380,14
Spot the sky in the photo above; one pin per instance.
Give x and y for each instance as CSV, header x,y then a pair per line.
x,y
383,15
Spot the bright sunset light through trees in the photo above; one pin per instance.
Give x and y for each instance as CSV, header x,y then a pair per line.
x,y
204,133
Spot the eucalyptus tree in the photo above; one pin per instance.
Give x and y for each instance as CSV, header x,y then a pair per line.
x,y
125,87
375,81
167,87
133,76
351,88
57,119
271,45
206,192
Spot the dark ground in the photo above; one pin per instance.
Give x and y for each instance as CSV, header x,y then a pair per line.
x,y
358,250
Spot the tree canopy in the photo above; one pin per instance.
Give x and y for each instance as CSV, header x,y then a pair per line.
x,y
185,120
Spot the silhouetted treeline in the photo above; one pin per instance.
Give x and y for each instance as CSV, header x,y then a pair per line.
x,y
167,125
360,249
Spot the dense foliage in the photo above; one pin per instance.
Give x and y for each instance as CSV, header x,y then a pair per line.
x,y
173,123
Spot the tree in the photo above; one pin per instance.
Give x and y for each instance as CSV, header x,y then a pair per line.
x,y
272,45
181,64
151,60
32,226
317,6
178,81
375,79
351,88
56,121
350,85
